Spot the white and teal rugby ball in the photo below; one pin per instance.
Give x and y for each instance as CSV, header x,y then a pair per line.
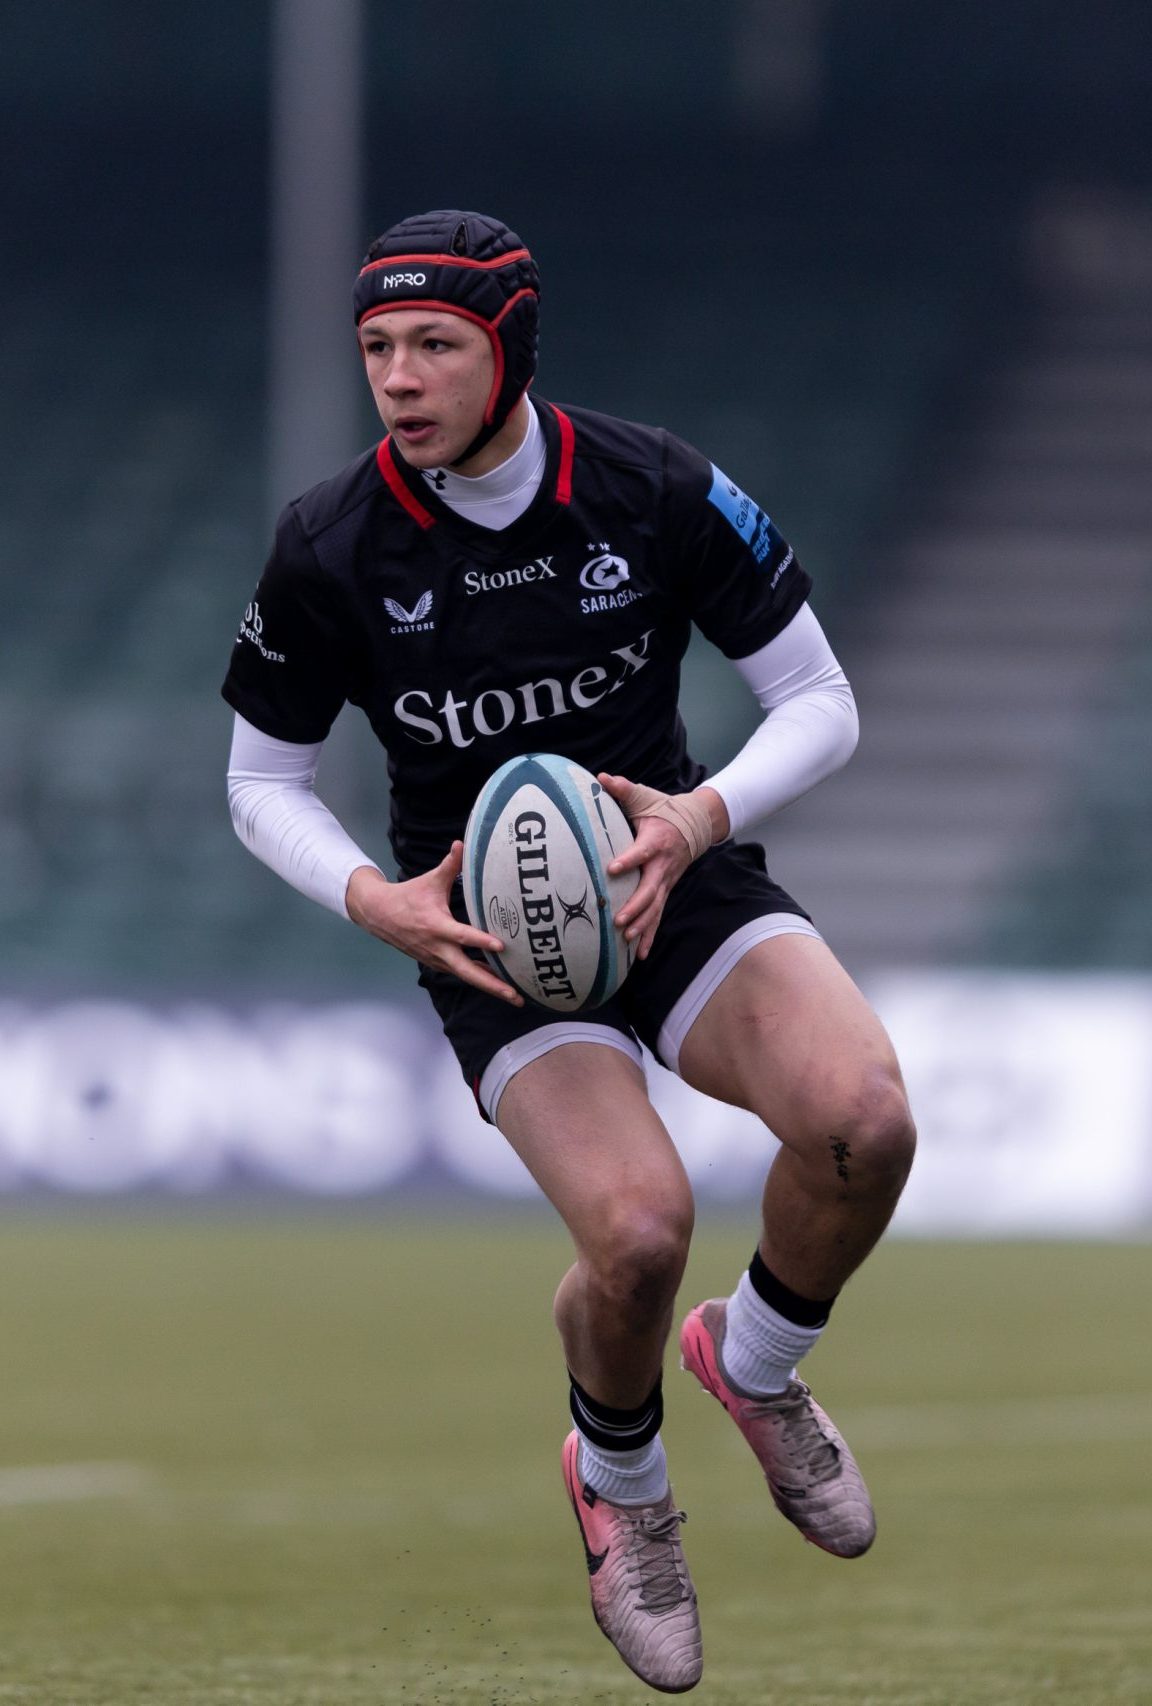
x,y
536,852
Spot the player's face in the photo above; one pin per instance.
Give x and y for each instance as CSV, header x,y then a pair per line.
x,y
431,375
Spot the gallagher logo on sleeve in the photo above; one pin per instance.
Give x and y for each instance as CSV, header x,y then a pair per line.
x,y
749,520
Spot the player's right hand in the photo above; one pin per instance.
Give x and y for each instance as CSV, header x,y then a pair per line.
x,y
415,917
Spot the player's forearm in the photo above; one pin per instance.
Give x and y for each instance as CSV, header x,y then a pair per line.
x,y
795,747
810,728
717,812
281,821
365,893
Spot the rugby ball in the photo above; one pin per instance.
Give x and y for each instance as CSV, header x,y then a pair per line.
x,y
536,851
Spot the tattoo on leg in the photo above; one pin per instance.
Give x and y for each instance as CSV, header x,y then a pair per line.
x,y
841,1155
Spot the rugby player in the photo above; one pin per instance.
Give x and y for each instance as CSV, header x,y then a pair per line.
x,y
501,575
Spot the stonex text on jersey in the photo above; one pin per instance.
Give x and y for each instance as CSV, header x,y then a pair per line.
x,y
466,647
496,709
603,571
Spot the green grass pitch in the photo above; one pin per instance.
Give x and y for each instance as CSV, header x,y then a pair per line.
x,y
313,1460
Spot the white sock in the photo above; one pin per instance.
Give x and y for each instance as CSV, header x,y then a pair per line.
x,y
761,1346
625,1477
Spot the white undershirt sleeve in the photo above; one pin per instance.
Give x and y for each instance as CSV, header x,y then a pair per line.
x,y
279,818
810,728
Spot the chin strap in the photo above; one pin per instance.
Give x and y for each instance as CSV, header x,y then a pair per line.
x,y
483,437
487,433
687,812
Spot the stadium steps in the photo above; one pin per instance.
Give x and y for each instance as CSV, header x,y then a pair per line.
x,y
992,644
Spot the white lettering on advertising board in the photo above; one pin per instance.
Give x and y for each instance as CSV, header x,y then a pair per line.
x,y
1032,1094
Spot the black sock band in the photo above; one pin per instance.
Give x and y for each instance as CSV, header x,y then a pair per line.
x,y
616,1430
803,1311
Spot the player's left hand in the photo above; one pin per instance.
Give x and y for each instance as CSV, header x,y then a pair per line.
x,y
662,851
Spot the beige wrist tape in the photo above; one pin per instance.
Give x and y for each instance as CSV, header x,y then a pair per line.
x,y
687,812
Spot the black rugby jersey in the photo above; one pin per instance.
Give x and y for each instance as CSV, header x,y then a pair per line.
x,y
563,632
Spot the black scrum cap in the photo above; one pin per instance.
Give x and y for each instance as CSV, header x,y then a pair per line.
x,y
466,264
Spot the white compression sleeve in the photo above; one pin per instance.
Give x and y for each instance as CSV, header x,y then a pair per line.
x,y
809,731
278,817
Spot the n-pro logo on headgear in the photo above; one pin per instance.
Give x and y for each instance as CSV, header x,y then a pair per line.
x,y
390,280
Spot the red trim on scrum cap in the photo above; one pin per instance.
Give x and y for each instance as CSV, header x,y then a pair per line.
x,y
567,453
511,303
395,482
447,261
488,326
379,308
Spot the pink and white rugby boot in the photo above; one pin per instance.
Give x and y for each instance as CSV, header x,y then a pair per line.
x,y
642,1594
811,1473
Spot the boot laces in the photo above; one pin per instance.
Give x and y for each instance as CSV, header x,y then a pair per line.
x,y
803,1437
655,1559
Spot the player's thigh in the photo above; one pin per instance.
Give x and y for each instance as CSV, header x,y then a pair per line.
x,y
580,1119
790,1036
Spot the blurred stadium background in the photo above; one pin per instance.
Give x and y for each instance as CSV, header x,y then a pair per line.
x,y
890,265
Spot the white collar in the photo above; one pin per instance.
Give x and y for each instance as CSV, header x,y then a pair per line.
x,y
495,498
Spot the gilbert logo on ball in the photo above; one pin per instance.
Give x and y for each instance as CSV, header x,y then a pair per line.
x,y
536,851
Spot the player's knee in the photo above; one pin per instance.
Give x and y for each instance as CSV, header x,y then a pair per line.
x,y
875,1143
640,1250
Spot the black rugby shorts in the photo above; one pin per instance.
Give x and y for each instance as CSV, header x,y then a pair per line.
x,y
727,888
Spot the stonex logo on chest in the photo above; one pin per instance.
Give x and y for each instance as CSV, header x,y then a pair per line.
x,y
498,708
477,580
